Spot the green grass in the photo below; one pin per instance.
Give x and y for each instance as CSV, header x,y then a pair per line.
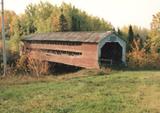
x,y
119,92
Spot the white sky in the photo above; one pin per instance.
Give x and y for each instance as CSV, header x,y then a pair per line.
x,y
118,12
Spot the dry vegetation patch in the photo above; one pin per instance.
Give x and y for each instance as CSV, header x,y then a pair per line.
x,y
26,79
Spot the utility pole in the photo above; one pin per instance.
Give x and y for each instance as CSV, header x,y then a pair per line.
x,y
3,40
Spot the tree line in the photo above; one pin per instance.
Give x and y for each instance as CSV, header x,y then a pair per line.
x,y
46,17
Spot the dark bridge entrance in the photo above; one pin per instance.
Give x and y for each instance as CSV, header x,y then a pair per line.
x,y
111,54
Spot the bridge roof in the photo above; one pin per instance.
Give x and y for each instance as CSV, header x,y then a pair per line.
x,y
91,37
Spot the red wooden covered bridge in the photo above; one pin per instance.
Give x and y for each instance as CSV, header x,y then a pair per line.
x,y
81,49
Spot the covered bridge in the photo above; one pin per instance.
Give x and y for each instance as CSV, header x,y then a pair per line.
x,y
81,49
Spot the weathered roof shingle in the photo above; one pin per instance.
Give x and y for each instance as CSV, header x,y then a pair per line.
x,y
92,37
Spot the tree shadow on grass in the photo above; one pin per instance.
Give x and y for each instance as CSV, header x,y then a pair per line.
x,y
126,68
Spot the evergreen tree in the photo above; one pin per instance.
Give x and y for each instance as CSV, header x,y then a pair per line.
x,y
130,38
74,22
130,35
113,29
63,22
119,32
79,25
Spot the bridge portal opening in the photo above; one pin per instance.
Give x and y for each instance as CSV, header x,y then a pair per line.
x,y
111,54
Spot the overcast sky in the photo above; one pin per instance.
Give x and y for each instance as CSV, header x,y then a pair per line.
x,y
118,12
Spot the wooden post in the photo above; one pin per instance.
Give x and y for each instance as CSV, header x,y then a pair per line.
x,y
3,38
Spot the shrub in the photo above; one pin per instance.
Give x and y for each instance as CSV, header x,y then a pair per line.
x,y
38,67
12,57
138,58
21,65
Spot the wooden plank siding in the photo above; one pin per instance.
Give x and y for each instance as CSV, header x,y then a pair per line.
x,y
88,58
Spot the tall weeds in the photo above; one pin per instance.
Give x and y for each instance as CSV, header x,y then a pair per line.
x,y
38,67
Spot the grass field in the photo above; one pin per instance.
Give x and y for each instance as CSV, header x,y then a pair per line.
x,y
119,92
